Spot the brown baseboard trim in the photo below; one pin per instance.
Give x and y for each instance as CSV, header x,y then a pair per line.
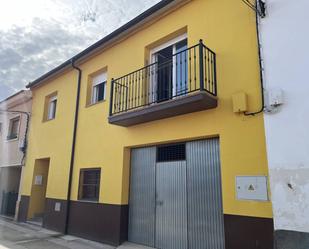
x,y
105,223
23,208
55,214
242,232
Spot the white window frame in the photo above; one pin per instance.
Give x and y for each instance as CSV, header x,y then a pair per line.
x,y
9,134
153,59
51,114
97,80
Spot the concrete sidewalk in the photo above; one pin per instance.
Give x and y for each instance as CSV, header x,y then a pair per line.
x,y
128,245
27,236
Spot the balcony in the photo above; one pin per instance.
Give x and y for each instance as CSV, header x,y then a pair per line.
x,y
181,83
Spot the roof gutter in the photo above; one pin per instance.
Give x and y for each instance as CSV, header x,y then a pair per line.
x,y
73,146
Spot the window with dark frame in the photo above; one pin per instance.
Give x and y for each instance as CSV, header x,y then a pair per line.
x,y
89,184
13,129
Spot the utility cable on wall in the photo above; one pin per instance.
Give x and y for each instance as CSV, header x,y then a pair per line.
x,y
259,9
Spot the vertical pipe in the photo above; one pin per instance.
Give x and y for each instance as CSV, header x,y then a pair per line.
x,y
201,65
73,147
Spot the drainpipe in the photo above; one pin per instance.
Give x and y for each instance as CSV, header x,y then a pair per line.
x,y
73,146
260,65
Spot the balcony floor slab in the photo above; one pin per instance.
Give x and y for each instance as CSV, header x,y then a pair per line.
x,y
198,101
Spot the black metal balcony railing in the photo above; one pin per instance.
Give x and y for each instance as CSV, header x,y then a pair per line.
x,y
186,72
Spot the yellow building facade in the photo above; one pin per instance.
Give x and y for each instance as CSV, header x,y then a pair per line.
x,y
108,138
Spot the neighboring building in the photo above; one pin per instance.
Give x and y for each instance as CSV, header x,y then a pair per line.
x,y
286,60
164,156
14,117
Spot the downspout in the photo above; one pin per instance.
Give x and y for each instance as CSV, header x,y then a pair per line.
x,y
73,146
261,68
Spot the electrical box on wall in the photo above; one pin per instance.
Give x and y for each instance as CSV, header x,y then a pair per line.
x,y
275,97
38,180
239,102
251,188
57,206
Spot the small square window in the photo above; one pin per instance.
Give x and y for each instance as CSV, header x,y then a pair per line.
x,y
98,88
89,184
13,129
51,108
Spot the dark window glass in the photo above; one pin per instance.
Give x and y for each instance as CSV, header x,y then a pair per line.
x,y
181,68
99,92
101,88
165,74
52,108
175,152
13,131
54,103
89,185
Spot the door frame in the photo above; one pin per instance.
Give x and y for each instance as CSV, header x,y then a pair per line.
x,y
153,83
206,143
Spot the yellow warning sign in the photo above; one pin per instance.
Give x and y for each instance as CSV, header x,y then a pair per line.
x,y
251,187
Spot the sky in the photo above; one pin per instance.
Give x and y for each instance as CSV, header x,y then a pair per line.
x,y
38,35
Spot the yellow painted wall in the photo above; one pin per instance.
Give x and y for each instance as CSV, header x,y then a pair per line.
x,y
52,139
228,28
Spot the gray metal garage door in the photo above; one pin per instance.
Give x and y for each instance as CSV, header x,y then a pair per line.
x,y
177,204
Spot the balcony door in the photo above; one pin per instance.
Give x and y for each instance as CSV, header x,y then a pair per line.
x,y
164,59
171,70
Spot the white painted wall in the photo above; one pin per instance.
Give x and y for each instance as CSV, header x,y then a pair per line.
x,y
285,50
10,154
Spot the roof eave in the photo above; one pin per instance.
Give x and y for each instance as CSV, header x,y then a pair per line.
x,y
146,16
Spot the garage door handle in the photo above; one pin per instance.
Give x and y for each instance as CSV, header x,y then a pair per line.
x,y
159,203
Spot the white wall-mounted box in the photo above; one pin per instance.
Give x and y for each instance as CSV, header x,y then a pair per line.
x,y
57,206
275,97
251,188
38,180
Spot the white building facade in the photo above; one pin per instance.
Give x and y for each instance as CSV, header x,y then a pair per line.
x,y
14,122
284,38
